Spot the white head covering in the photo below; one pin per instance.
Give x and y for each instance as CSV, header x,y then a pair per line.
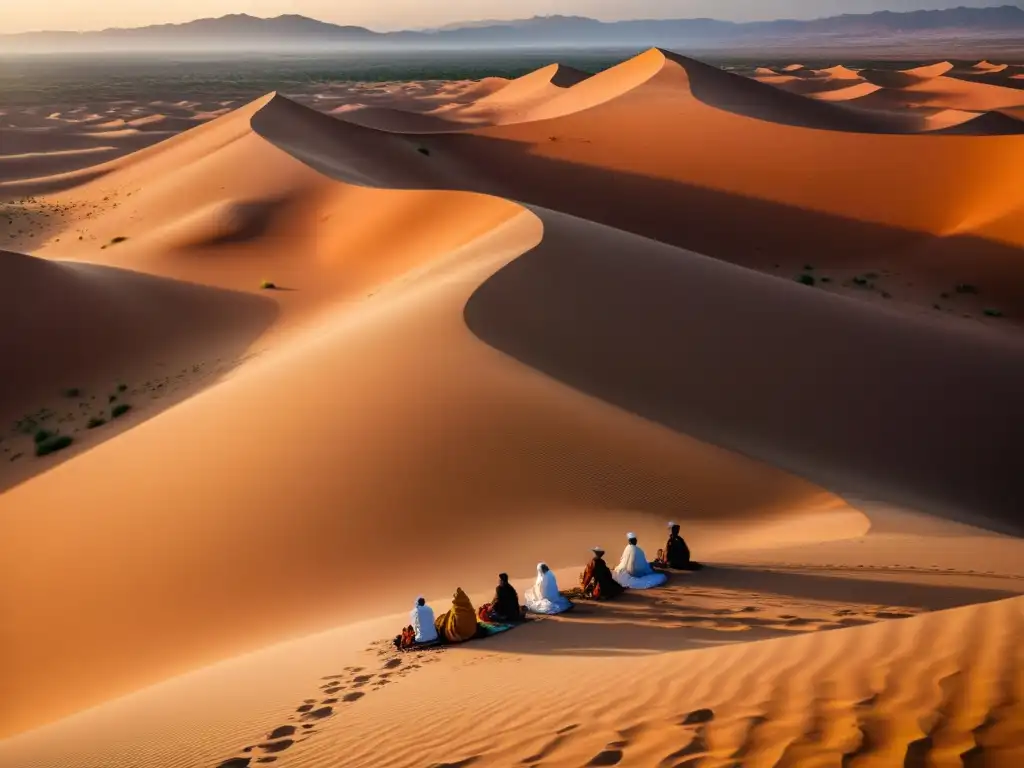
x,y
630,535
672,525
597,549
546,587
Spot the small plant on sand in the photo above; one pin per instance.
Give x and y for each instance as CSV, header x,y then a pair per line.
x,y
808,267
886,295
423,151
120,410
826,279
267,285
862,282
111,398
72,392
993,313
805,279
122,387
53,444
936,306
42,435
118,239
966,288
94,422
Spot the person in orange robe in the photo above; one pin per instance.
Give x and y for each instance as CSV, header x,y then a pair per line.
x,y
458,624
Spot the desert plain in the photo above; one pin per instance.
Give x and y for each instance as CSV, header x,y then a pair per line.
x,y
304,358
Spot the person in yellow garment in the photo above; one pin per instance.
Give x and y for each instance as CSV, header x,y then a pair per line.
x,y
458,624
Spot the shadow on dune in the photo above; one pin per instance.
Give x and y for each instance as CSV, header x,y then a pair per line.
x,y
88,327
839,391
843,393
664,619
743,230
846,394
741,95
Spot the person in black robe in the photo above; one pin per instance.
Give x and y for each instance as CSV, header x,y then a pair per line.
x,y
505,607
597,580
677,554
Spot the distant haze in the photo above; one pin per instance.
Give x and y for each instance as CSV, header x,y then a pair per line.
x,y
80,15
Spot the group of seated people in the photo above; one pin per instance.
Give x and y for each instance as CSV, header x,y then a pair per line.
x,y
461,622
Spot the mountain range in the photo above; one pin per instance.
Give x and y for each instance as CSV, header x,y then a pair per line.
x,y
293,32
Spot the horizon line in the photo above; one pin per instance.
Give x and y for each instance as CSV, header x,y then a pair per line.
x,y
501,22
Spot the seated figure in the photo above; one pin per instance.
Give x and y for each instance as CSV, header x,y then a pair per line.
x,y
457,624
597,580
677,554
421,631
633,570
422,617
504,608
543,596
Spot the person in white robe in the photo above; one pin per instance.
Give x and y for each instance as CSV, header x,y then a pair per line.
x,y
543,596
633,570
422,620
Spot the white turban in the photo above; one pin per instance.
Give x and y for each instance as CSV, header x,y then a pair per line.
x,y
630,535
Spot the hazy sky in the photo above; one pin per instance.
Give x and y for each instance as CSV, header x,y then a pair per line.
x,y
25,15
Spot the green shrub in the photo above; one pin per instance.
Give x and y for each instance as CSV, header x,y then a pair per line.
x,y
43,435
118,239
423,151
111,398
120,410
94,422
826,279
266,285
53,444
993,313
72,392
122,387
805,279
808,267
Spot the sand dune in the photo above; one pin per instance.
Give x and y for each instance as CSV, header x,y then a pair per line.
x,y
839,72
505,341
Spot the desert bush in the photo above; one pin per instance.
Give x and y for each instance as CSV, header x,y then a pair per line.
x,y
72,392
267,285
120,410
423,151
993,313
118,239
43,435
805,279
53,444
94,422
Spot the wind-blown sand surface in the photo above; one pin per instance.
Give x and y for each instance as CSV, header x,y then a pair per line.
x,y
512,320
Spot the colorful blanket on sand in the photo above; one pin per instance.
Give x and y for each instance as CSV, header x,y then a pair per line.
x,y
488,628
